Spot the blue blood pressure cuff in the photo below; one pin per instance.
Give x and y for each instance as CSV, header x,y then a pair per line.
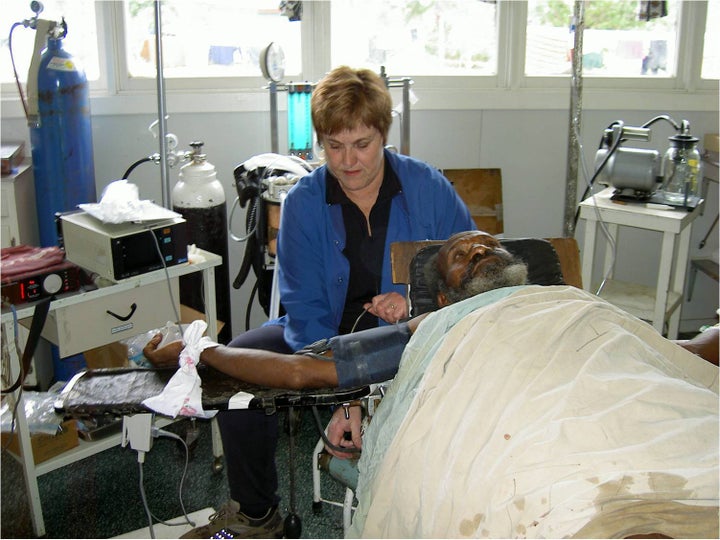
x,y
369,356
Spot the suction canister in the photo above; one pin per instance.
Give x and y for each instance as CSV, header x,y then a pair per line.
x,y
60,136
199,197
682,169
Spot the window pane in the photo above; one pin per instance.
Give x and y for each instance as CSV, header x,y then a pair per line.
x,y
417,37
214,38
81,40
711,52
616,42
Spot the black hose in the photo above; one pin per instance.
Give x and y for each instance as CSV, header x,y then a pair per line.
x,y
134,165
249,305
611,151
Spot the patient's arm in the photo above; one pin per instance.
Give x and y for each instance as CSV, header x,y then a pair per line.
x,y
253,366
704,344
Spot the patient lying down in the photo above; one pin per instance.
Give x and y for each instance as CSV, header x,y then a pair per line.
x,y
528,411
469,263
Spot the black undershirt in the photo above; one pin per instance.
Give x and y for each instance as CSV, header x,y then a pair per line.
x,y
364,252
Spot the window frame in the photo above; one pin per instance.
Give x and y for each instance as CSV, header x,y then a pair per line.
x,y
510,88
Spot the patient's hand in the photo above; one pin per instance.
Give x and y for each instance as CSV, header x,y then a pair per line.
x,y
166,356
705,345
339,425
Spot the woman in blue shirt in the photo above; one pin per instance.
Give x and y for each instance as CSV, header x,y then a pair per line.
x,y
333,248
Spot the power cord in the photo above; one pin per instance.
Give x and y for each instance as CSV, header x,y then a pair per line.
x,y
167,279
156,433
603,226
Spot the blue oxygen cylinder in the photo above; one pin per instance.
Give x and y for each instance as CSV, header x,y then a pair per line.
x,y
61,139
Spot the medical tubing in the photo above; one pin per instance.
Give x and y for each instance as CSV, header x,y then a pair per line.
x,y
610,152
16,343
38,322
167,279
14,418
326,441
248,310
364,311
662,117
250,218
136,164
603,225
251,226
12,61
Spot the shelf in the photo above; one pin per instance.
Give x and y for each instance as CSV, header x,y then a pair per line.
x,y
88,448
81,299
638,300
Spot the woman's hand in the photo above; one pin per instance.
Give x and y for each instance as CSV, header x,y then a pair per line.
x,y
390,307
166,356
339,425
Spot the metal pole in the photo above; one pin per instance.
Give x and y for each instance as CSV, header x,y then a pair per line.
x,y
162,122
274,144
573,156
405,138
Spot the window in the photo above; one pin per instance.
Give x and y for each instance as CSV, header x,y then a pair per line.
x,y
616,41
507,54
81,40
711,50
416,38
215,38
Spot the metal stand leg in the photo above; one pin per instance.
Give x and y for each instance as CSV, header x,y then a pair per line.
x,y
217,445
293,526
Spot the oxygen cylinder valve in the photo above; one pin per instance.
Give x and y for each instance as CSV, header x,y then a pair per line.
x,y
197,153
200,198
36,8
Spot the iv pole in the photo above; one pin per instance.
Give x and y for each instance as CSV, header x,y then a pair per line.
x,y
574,156
162,121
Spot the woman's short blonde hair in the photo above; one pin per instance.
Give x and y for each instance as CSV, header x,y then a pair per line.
x,y
348,98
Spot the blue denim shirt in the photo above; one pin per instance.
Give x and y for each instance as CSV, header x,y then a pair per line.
x,y
313,272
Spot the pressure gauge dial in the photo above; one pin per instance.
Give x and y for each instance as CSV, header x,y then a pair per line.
x,y
272,62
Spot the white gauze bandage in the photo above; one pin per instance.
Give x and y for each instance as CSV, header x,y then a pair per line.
x,y
182,395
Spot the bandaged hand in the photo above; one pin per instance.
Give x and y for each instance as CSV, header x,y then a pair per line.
x,y
165,356
390,307
339,425
182,395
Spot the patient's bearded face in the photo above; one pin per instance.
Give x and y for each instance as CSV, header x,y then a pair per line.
x,y
475,262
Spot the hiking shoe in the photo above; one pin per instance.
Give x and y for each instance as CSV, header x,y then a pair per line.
x,y
230,522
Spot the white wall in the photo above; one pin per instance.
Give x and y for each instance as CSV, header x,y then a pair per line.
x,y
530,146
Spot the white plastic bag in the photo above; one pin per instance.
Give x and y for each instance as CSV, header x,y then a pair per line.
x,y
136,344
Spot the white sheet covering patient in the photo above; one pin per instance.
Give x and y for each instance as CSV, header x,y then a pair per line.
x,y
546,413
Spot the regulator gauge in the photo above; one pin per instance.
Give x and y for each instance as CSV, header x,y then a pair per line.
x,y
272,62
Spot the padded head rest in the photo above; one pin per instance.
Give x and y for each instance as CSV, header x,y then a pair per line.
x,y
539,255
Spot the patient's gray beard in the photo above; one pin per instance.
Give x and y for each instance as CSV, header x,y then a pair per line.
x,y
495,278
